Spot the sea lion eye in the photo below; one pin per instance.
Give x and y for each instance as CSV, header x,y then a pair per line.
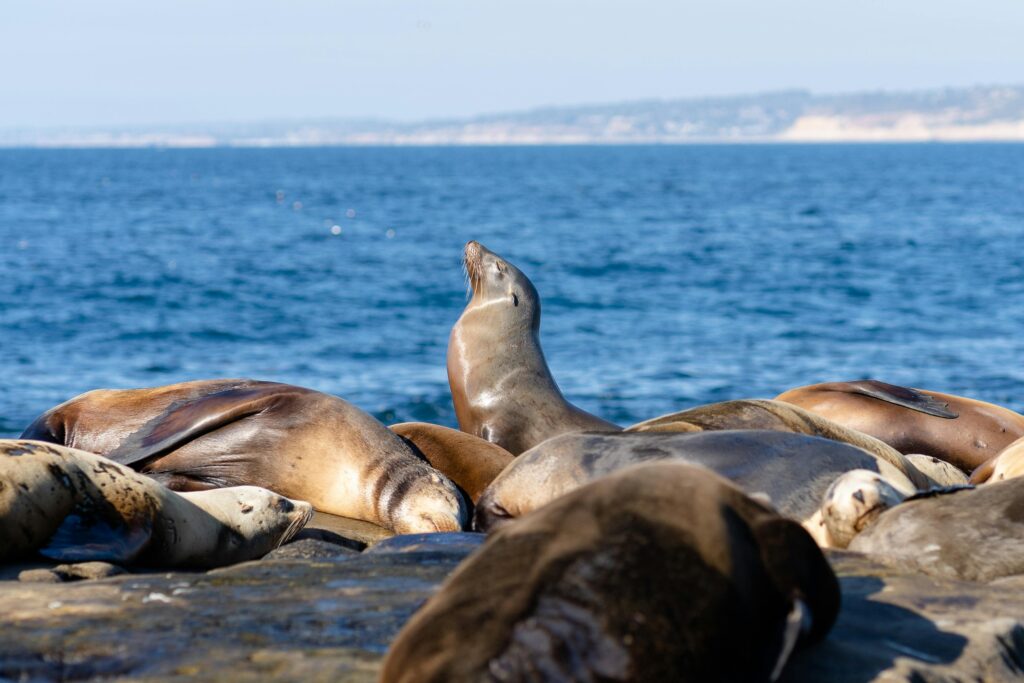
x,y
515,299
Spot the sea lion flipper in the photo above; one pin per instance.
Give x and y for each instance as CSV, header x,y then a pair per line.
x,y
902,396
186,421
87,538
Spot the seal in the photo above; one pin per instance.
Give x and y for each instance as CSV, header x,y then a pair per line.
x,y
469,461
961,431
298,442
74,506
501,386
792,470
781,417
970,534
1009,463
602,585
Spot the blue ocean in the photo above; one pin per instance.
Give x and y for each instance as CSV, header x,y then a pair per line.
x,y
670,276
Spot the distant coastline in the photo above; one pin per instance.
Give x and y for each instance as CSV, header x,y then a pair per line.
x,y
976,114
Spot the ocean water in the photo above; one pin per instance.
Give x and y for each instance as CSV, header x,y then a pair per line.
x,y
670,276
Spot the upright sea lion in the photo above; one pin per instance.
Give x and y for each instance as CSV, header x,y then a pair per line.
x,y
959,430
775,416
75,506
300,443
501,386
469,461
656,573
1009,463
972,534
792,470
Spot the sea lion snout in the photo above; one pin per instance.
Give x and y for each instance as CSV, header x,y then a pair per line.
x,y
489,514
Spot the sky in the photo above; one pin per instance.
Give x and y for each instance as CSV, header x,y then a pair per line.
x,y
121,62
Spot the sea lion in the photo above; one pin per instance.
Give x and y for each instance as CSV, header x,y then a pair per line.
x,y
792,470
469,461
939,472
961,431
1009,463
854,501
501,386
298,442
74,506
775,416
654,573
972,534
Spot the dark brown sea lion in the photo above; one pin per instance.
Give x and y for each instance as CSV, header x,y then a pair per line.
x,y
300,443
775,416
75,506
959,430
970,534
651,574
501,386
469,461
792,470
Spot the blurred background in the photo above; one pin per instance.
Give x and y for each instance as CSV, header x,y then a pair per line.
x,y
714,202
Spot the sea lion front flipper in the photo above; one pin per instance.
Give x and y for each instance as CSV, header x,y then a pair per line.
x,y
902,396
799,569
191,419
89,538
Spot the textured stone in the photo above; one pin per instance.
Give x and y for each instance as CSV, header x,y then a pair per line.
x,y
331,619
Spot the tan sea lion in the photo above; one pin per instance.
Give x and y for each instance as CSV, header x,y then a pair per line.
x,y
940,472
298,442
655,573
855,500
792,470
959,430
501,386
971,534
469,461
775,416
75,506
1007,464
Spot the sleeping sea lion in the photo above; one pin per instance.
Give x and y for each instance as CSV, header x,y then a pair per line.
x,y
655,573
1009,463
501,386
792,470
959,430
298,442
775,416
469,461
971,534
74,506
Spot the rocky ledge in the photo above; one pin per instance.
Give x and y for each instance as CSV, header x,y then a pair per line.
x,y
320,610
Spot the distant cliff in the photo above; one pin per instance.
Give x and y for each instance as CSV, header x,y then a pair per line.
x,y
951,114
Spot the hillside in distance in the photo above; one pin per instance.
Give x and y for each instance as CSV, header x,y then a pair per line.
x,y
951,114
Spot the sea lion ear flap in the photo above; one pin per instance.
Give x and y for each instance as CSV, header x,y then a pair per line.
x,y
799,569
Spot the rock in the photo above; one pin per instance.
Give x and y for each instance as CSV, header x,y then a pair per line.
x,y
896,626
71,572
310,549
324,619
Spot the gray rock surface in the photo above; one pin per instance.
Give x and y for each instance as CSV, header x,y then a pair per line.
x,y
331,618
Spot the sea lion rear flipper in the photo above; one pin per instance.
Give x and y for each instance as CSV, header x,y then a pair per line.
x,y
88,538
902,396
186,421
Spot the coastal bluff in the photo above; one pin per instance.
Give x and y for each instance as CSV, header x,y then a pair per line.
x,y
317,609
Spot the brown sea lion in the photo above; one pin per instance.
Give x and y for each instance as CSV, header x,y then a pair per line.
x,y
469,461
792,470
775,416
971,534
300,443
1009,463
959,430
501,386
651,574
75,506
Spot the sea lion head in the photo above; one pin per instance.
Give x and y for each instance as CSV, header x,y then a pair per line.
x,y
431,503
497,283
854,501
261,518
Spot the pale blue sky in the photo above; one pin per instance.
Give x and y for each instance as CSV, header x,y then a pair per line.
x,y
137,62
